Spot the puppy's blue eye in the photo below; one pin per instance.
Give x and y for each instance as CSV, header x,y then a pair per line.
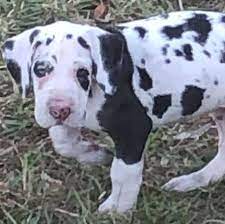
x,y
82,76
41,68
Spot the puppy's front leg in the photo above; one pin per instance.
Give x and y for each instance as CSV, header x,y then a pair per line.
x,y
130,135
68,142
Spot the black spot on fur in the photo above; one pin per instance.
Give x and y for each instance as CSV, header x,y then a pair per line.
x,y
216,82
223,19
145,80
14,70
9,44
83,42
173,32
33,35
49,40
142,31
222,56
122,115
191,99
187,48
199,23
161,104
165,49
197,80
207,53
168,61
111,51
69,36
143,61
178,53
222,59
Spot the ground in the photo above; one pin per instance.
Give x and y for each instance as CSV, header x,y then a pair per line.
x,y
38,186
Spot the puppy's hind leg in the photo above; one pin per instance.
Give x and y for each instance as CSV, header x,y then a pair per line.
x,y
213,171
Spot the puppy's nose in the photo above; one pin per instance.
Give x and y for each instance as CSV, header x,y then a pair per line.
x,y
59,113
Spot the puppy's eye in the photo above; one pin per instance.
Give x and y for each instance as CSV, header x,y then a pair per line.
x,y
82,76
41,68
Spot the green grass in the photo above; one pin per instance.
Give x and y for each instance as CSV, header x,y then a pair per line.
x,y
38,186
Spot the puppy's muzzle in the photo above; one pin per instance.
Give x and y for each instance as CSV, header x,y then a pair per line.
x,y
60,113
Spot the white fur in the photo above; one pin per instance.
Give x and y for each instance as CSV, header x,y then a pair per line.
x,y
68,142
126,182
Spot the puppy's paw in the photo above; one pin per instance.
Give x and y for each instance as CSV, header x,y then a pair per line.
x,y
184,183
112,205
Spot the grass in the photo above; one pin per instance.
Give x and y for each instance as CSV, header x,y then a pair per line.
x,y
39,186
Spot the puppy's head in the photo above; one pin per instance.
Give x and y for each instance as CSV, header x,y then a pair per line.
x,y
62,62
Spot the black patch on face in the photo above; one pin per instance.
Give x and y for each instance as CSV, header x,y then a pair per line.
x,y
82,77
83,42
145,80
191,99
69,36
207,53
14,70
199,23
178,53
141,31
41,68
49,40
33,35
188,52
122,116
161,104
9,44
168,61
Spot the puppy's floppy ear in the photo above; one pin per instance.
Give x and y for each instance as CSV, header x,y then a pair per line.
x,y
107,51
17,53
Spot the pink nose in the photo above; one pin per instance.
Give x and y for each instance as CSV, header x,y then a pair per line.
x,y
59,113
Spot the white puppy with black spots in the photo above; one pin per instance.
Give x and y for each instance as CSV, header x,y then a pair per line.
x,y
124,81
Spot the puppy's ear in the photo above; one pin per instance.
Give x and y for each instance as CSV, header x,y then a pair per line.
x,y
17,53
107,51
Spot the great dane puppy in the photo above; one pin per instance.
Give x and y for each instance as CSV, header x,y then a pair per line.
x,y
124,81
